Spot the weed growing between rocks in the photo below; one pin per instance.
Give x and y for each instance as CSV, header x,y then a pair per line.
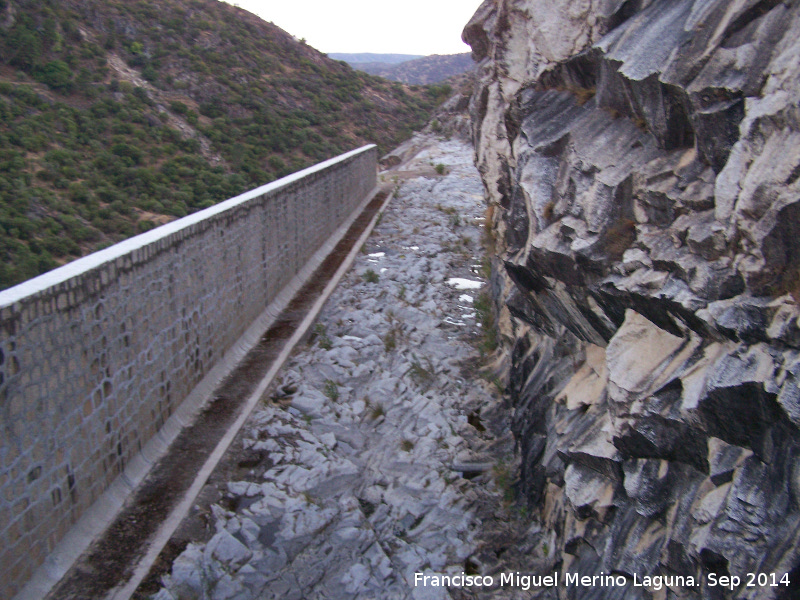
x,y
320,332
486,266
331,390
487,342
494,380
488,239
377,412
423,376
504,480
371,276
390,340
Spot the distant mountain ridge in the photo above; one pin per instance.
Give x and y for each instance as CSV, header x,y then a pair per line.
x,y
371,57
417,71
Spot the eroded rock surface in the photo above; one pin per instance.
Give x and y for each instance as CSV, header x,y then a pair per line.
x,y
373,458
641,160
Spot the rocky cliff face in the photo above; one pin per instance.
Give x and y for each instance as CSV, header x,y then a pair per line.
x,y
641,161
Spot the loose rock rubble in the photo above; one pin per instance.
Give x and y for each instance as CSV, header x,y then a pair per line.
x,y
376,446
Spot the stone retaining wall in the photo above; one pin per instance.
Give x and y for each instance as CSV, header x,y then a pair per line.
x,y
96,356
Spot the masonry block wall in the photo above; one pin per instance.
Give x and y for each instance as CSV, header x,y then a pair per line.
x,y
96,356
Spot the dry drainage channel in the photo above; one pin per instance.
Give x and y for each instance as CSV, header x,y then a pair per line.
x,y
115,564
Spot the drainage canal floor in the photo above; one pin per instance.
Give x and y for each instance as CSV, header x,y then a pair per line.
x,y
111,560
372,458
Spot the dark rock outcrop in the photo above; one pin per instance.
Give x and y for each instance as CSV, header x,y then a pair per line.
x,y
641,161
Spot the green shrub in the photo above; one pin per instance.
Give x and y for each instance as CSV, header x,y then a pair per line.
x,y
144,225
439,92
24,44
268,113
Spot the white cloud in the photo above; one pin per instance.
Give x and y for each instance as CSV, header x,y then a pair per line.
x,y
401,27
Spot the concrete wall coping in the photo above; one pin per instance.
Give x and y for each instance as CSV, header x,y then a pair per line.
x,y
87,263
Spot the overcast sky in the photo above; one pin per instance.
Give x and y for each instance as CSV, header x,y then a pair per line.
x,y
397,27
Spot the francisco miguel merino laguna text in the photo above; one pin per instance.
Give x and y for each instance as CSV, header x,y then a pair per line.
x,y
525,582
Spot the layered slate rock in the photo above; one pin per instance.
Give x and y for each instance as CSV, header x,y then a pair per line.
x,y
641,161
371,459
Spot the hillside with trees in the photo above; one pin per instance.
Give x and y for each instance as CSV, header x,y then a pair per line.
x,y
116,117
435,68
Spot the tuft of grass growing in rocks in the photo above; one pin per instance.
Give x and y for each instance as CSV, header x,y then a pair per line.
x,y
423,376
371,276
331,390
390,340
488,238
504,480
377,412
323,340
487,342
494,380
486,267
